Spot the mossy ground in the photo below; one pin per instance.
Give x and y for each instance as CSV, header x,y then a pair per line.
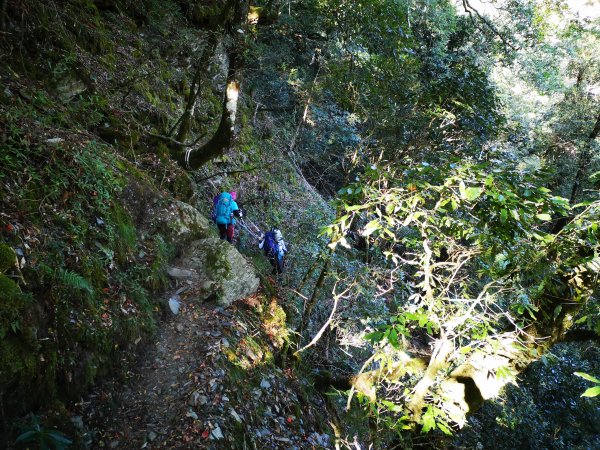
x,y
90,267
81,172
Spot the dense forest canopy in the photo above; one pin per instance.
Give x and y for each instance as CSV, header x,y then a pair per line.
x,y
477,125
434,164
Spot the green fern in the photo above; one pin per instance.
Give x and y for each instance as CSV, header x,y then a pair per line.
x,y
74,280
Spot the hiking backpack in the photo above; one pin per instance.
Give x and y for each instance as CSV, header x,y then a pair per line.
x,y
270,246
223,209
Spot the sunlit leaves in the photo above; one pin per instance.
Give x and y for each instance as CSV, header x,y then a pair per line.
x,y
476,243
371,227
585,376
434,418
593,391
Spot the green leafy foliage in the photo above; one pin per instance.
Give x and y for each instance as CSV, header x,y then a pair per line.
x,y
45,438
593,391
476,242
74,280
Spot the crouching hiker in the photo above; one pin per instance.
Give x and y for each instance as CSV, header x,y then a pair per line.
x,y
225,208
275,249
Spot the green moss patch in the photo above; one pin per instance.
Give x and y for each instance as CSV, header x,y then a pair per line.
x,y
7,258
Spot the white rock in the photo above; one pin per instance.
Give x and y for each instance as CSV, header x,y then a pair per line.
x,y
174,305
235,415
179,274
192,414
217,433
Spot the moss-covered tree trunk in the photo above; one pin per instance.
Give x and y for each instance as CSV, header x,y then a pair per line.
x,y
584,161
224,135
185,122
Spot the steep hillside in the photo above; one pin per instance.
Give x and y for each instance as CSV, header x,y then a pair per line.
x,y
431,264
92,209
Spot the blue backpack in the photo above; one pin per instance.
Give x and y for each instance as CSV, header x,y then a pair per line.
x,y
270,246
223,209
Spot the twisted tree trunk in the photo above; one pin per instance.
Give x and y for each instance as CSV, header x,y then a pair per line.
x,y
223,138
584,161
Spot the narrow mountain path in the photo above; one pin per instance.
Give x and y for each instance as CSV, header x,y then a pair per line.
x,y
208,380
154,409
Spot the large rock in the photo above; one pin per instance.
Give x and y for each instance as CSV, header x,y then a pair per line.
x,y
182,223
178,222
223,273
69,87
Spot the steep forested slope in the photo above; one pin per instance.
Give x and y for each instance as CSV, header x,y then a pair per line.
x,y
433,168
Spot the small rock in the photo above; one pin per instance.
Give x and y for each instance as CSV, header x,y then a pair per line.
x,y
192,414
225,342
215,333
54,141
197,399
182,289
235,415
179,327
265,384
174,304
207,286
217,433
179,274
77,422
221,311
151,435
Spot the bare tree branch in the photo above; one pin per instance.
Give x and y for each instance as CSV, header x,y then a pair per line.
x,y
469,10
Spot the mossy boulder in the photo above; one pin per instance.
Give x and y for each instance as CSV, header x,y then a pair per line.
x,y
8,288
182,223
7,258
69,87
18,361
223,273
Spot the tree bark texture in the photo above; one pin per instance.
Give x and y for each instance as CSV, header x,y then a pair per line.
x,y
312,301
584,161
224,135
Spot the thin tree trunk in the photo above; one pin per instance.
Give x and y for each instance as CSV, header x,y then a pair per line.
x,y
308,274
3,15
312,301
584,161
223,137
185,122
